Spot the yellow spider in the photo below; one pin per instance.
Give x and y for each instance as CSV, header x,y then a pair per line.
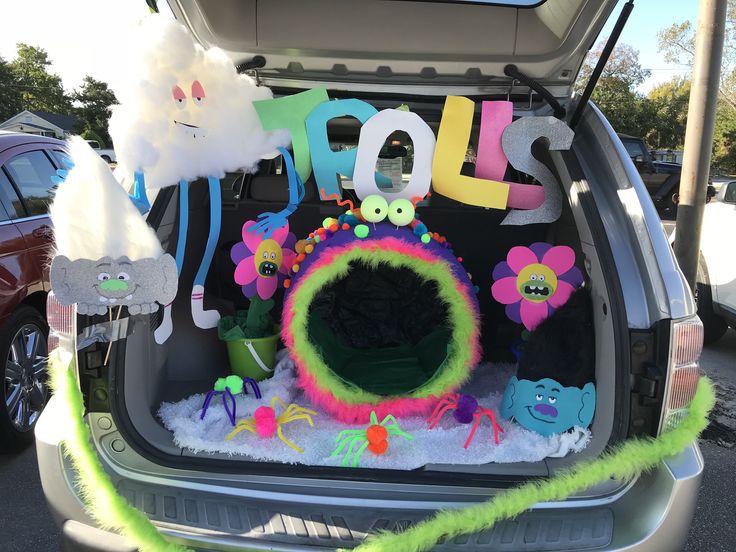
x,y
265,422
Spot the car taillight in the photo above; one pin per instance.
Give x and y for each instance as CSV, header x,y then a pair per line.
x,y
683,370
62,323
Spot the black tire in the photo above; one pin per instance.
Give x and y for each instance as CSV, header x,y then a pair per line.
x,y
713,325
106,158
25,387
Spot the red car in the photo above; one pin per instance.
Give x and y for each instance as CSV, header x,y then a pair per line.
x,y
27,163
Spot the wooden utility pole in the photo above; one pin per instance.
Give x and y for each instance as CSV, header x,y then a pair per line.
x,y
699,134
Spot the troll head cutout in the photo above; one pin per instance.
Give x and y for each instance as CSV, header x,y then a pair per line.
x,y
548,407
533,281
106,253
96,285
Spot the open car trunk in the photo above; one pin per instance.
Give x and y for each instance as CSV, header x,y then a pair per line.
x,y
146,375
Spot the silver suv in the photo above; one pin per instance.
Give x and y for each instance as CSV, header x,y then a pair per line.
x,y
413,53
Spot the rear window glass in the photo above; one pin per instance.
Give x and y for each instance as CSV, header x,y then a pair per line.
x,y
634,150
31,172
61,158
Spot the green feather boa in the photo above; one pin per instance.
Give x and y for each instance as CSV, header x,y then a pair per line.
x,y
626,461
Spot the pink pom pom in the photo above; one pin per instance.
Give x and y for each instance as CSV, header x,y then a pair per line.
x,y
266,423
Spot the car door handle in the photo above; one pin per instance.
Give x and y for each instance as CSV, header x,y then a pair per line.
x,y
44,232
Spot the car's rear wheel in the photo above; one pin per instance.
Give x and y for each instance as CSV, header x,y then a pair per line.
x,y
24,350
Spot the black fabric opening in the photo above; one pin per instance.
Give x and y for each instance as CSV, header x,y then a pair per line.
x,y
386,331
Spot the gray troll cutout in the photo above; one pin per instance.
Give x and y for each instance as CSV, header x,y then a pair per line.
x,y
97,285
107,254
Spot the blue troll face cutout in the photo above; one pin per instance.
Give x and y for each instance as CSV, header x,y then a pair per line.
x,y
547,407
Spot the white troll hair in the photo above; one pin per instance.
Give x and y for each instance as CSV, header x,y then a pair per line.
x,y
93,216
162,129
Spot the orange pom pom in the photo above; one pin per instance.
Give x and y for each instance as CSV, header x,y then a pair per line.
x,y
287,283
378,448
376,433
300,245
334,227
300,258
345,226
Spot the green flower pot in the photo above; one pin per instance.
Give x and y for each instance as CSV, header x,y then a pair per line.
x,y
253,358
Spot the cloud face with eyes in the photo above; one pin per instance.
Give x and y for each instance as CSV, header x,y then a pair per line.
x,y
185,112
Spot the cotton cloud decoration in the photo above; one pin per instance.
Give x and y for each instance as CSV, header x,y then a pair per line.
x,y
160,126
186,113
106,253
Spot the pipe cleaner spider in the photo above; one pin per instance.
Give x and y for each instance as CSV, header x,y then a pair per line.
x,y
375,438
229,387
265,423
466,410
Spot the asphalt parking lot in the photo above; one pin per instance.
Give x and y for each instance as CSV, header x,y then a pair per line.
x,y
26,524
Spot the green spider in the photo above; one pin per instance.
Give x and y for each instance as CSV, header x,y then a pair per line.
x,y
374,438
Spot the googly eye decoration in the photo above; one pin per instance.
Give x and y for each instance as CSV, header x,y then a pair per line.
x,y
373,135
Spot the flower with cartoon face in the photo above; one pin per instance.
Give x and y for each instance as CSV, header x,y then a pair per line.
x,y
262,264
533,281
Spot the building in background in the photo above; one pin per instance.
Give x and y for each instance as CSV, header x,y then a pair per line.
x,y
41,123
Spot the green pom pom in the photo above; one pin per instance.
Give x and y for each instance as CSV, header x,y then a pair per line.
x,y
317,239
329,221
426,238
220,384
361,231
235,383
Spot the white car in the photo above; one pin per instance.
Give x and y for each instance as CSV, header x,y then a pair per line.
x,y
107,154
716,291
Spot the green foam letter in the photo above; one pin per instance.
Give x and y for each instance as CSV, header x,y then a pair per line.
x,y
290,112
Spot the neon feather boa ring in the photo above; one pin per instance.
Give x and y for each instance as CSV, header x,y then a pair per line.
x,y
454,340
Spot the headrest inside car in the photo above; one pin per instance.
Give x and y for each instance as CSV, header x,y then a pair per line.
x,y
274,188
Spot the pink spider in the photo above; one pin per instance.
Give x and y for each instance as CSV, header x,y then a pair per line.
x,y
466,409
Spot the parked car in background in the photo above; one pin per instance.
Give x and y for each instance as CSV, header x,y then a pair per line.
x,y
27,163
106,153
662,179
716,289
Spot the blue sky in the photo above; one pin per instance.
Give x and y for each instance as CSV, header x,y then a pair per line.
x,y
83,36
648,17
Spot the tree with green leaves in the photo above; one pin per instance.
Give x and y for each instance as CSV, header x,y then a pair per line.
x,y
615,94
39,89
677,42
11,101
93,100
669,102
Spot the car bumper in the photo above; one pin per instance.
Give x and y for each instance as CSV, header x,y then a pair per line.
x,y
653,513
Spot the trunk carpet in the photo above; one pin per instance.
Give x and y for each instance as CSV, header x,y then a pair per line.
x,y
441,445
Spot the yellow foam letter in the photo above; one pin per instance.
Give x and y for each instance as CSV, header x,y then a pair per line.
x,y
452,143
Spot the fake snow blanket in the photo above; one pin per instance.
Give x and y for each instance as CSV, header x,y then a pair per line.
x,y
441,445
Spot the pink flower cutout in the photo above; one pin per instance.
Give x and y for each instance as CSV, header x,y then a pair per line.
x,y
533,281
263,264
